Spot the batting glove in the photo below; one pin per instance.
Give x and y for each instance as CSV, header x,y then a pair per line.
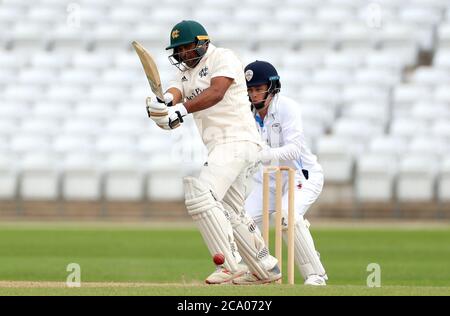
x,y
159,109
176,114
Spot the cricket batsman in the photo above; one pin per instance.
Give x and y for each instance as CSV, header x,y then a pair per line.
x,y
280,124
210,85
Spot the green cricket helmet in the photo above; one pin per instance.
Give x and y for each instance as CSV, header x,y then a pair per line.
x,y
187,32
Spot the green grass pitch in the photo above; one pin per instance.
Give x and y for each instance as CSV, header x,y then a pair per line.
x,y
147,260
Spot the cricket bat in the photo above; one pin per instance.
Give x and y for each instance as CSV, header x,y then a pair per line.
x,y
151,70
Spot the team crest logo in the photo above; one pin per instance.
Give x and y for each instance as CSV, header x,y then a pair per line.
x,y
203,72
175,34
249,75
276,128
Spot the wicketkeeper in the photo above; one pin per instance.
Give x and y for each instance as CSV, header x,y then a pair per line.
x,y
210,84
280,124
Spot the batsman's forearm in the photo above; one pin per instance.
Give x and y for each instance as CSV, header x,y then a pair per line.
x,y
177,96
206,99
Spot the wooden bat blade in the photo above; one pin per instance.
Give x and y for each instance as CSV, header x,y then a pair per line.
x,y
150,68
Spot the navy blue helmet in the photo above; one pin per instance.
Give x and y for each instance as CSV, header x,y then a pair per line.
x,y
262,72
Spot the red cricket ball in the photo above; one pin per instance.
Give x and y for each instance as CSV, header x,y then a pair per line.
x,y
219,259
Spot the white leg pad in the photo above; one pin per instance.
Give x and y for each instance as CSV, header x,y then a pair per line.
x,y
306,256
213,222
248,237
252,248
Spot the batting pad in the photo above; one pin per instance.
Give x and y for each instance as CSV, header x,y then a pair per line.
x,y
212,221
306,256
252,247
248,237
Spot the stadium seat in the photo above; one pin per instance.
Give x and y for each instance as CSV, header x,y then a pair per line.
x,y
126,15
364,92
24,143
92,61
332,77
226,37
152,37
357,132
125,126
107,37
377,77
317,112
320,94
107,93
316,38
37,77
303,4
82,126
398,36
210,15
375,178
430,112
120,77
68,144
44,127
10,14
444,182
93,111
442,94
406,94
408,128
442,58
28,37
422,15
431,76
434,148
123,178
302,60
65,93
390,147
8,128
8,178
6,77
268,35
387,59
22,93
248,15
444,35
39,180
336,158
374,113
356,37
441,129
162,174
432,4
13,111
109,144
65,39
51,110
81,180
333,14
344,60
287,14
416,179
126,110
79,77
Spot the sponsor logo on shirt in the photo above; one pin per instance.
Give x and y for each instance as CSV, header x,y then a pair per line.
x,y
195,93
184,79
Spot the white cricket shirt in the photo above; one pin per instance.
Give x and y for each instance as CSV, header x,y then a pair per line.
x,y
229,120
